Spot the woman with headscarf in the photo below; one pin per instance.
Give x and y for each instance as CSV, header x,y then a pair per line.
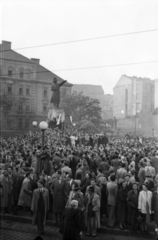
x,y
144,206
72,223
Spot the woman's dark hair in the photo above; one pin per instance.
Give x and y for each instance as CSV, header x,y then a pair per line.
x,y
42,182
59,172
27,174
144,184
121,184
113,177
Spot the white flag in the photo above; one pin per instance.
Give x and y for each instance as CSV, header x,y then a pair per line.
x,y
58,121
71,119
140,140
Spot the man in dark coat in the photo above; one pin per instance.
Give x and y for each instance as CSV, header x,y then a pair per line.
x,y
59,192
55,99
40,206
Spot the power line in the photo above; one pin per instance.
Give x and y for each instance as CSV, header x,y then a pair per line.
x,y
83,40
84,68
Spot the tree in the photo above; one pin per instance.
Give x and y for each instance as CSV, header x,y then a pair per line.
x,y
82,107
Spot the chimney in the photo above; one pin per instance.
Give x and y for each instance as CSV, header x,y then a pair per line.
x,y
36,60
6,45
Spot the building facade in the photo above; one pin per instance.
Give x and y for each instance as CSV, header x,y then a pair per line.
x,y
134,104
25,91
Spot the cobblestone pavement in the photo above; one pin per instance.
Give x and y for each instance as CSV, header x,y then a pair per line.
x,y
19,231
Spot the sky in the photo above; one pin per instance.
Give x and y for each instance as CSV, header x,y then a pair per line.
x,y
28,23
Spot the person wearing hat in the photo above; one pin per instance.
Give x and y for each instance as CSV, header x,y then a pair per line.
x,y
55,99
149,170
92,206
75,194
40,206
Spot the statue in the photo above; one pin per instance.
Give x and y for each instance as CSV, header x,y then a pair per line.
x,y
55,99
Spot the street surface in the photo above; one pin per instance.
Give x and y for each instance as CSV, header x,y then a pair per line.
x,y
19,231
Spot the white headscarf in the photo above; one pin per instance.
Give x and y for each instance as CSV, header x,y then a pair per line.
x,y
74,204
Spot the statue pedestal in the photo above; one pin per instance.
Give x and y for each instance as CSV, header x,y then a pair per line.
x,y
56,117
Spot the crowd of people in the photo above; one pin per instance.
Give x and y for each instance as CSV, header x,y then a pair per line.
x,y
81,180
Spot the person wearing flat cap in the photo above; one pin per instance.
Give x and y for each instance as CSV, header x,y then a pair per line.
x,y
71,222
92,206
55,99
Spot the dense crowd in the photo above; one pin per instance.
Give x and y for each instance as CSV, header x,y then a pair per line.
x,y
95,176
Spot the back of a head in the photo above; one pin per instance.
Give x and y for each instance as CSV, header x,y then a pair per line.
x,y
113,177
38,238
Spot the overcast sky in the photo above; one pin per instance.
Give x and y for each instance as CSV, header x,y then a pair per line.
x,y
32,23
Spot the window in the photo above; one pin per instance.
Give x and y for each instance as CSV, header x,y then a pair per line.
x,y
44,107
20,123
45,93
138,107
27,107
9,123
21,73
10,72
27,123
138,96
27,91
28,74
20,90
10,89
20,106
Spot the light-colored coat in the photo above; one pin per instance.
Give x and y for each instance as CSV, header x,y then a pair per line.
x,y
144,197
96,208
25,196
34,204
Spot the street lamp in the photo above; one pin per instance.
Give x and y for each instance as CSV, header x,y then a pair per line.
x,y
34,123
43,126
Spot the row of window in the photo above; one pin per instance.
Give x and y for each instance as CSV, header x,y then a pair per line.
x,y
22,123
27,91
21,90
27,74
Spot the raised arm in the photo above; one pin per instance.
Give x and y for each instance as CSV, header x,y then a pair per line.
x,y
62,83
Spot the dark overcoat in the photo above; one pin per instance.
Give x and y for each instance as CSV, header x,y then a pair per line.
x,y
59,191
34,204
132,202
121,205
72,224
155,206
6,192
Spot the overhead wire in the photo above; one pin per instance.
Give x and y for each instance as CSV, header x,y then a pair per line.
x,y
83,40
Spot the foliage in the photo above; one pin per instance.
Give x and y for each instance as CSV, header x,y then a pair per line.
x,y
88,127
82,108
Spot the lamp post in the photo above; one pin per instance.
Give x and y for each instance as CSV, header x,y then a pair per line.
x,y
34,123
43,126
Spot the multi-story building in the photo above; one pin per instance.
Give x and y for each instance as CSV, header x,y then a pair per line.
x,y
25,90
133,103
